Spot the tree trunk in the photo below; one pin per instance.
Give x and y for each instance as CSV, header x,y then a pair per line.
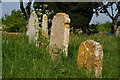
x,y
26,11
23,9
114,26
28,8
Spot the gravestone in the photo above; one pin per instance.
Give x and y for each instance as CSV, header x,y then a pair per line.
x,y
90,57
33,28
59,37
118,31
45,25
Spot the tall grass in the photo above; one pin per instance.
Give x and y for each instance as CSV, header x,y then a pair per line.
x,y
23,60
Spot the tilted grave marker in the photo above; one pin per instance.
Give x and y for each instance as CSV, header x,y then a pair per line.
x,y
118,31
90,57
59,37
33,28
45,25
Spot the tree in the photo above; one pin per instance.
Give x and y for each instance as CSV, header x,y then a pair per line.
x,y
27,9
103,8
14,22
80,12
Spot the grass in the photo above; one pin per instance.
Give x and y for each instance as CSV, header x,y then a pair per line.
x,y
22,60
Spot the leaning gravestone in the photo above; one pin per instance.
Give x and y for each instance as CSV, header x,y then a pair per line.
x,y
45,25
118,31
90,56
33,28
59,38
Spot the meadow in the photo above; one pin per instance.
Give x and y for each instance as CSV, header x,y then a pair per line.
x,y
24,60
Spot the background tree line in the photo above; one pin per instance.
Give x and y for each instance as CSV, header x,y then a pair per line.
x,y
80,12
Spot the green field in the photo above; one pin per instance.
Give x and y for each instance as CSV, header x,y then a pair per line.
x,y
22,60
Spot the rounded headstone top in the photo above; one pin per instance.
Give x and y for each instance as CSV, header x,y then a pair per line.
x,y
90,55
66,17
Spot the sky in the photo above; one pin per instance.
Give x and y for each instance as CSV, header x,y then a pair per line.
x,y
0,10
7,7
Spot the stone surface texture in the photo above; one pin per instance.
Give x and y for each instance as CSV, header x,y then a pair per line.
x,y
60,30
118,31
90,57
45,25
33,28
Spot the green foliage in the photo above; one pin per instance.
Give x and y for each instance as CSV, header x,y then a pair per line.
x,y
106,27
95,28
41,10
80,13
14,22
23,60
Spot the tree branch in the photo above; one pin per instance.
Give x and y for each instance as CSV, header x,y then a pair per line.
x,y
28,7
112,11
106,11
23,9
118,7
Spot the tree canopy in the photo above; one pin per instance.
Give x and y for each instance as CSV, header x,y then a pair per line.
x,y
80,12
103,8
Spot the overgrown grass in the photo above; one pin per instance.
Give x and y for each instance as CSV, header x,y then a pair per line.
x,y
22,60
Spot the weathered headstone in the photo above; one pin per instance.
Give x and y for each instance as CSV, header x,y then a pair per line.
x,y
45,25
90,57
118,31
59,38
33,28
